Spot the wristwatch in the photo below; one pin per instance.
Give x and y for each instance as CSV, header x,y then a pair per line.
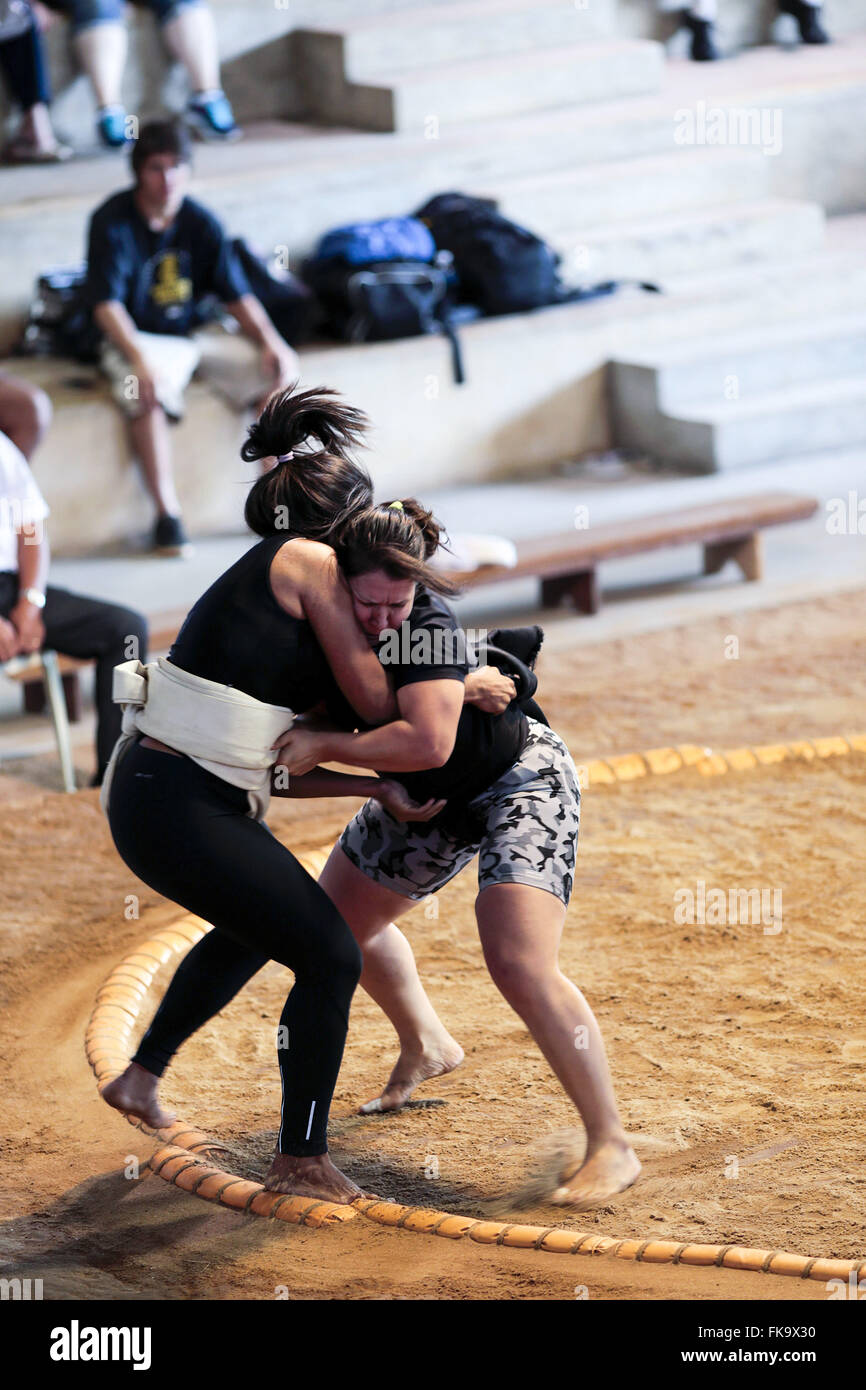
x,y
34,596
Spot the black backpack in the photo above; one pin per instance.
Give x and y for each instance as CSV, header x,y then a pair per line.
x,y
502,267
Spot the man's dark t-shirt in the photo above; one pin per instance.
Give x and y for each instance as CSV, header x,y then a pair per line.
x,y
486,745
160,277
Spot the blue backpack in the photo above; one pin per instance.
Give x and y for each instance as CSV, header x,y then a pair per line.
x,y
383,280
392,239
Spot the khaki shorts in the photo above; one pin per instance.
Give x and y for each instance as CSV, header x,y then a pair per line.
x,y
229,362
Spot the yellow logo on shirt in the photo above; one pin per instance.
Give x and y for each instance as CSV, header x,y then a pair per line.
x,y
169,286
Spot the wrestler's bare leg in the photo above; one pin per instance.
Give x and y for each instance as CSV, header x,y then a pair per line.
x,y
390,977
520,928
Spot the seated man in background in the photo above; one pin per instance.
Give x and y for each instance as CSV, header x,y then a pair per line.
x,y
34,614
700,17
153,256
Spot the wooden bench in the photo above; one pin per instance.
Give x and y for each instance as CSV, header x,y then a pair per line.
x,y
567,564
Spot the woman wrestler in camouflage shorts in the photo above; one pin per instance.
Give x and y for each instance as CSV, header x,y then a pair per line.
x,y
460,774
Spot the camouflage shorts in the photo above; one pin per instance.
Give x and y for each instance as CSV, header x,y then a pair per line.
x,y
531,817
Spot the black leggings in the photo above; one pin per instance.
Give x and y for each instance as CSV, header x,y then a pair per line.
x,y
23,65
187,834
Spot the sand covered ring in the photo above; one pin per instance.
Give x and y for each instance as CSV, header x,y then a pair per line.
x,y
181,1158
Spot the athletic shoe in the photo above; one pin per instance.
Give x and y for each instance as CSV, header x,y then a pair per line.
x,y
811,29
703,39
211,117
170,538
111,127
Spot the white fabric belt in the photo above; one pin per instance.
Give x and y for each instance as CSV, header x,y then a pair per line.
x,y
222,729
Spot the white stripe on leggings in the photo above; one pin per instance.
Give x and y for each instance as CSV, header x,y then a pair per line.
x,y
310,1121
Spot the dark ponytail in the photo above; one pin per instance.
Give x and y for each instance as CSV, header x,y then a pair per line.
x,y
316,491
399,538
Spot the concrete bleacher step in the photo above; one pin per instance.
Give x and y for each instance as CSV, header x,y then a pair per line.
x,y
425,100
740,22
290,203
749,398
778,425
563,201
769,358
262,64
262,69
360,47
322,175
519,410
830,282
701,239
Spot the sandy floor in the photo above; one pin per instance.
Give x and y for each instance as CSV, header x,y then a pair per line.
x,y
732,1047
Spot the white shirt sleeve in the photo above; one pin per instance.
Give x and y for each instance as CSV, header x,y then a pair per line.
x,y
22,506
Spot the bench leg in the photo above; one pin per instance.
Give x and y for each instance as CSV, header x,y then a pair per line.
x,y
746,551
57,701
35,697
580,589
72,692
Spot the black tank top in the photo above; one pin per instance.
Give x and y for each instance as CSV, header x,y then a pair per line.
x,y
237,634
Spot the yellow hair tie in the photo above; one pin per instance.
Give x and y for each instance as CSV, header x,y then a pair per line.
x,y
399,506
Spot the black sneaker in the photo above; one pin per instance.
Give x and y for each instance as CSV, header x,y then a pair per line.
x,y
811,28
170,538
703,39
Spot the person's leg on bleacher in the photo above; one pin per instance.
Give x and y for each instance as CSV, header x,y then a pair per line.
x,y
172,359
22,63
88,628
99,42
190,36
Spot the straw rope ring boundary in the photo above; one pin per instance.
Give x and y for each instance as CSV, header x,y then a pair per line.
x,y
180,1157
628,767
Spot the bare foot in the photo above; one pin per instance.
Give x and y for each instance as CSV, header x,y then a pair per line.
x,y
609,1169
410,1070
311,1177
135,1093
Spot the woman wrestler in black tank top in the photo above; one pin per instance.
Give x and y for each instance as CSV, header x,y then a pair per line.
x,y
278,625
